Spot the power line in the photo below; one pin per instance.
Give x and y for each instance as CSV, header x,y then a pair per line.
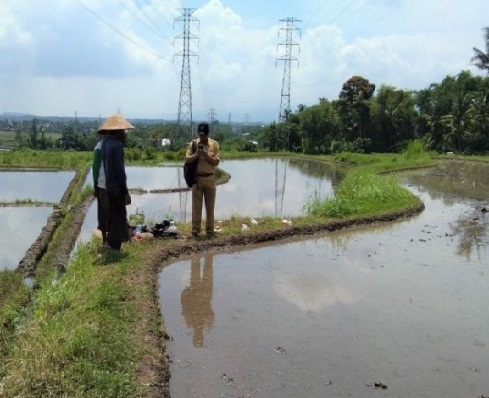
x,y
119,32
150,15
342,11
381,18
156,11
150,27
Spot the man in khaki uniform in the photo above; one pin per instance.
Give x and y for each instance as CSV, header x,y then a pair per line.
x,y
204,186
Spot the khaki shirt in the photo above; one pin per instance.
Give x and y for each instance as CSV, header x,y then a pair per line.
x,y
212,148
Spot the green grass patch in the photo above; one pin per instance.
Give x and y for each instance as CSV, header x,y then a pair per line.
x,y
79,340
14,297
62,160
362,193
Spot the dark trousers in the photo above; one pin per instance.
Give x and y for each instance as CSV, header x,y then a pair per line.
x,y
103,213
117,231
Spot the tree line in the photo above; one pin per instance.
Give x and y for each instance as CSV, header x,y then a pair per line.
x,y
450,116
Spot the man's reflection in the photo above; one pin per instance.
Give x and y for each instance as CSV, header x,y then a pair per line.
x,y
196,299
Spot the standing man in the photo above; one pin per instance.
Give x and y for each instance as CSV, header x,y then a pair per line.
x,y
204,187
99,188
114,127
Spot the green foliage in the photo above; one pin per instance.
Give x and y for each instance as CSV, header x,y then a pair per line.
x,y
133,154
249,146
150,153
14,294
320,126
480,57
45,159
415,149
362,193
78,340
171,156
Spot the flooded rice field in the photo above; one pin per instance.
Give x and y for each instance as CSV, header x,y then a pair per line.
x,y
41,186
22,225
258,187
20,228
396,310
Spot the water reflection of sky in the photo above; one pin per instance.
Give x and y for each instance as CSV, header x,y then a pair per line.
x,y
42,186
326,315
20,228
258,187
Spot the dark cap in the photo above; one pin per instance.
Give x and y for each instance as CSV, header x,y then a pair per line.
x,y
203,128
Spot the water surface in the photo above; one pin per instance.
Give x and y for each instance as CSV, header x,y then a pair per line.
x,y
403,305
42,186
20,228
258,187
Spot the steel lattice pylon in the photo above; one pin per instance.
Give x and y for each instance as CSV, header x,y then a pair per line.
x,y
184,117
287,58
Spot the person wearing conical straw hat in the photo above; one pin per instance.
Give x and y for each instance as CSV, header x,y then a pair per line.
x,y
115,130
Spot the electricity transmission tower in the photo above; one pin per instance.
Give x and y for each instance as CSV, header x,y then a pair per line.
x,y
287,57
184,117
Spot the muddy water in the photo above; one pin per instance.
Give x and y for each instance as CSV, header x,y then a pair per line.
x,y
393,311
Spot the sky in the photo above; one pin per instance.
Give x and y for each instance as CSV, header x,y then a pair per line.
x,y
92,58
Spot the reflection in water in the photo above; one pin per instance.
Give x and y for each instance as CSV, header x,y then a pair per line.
x,y
453,180
312,293
280,179
403,303
336,172
257,188
182,197
472,230
196,298
20,228
43,186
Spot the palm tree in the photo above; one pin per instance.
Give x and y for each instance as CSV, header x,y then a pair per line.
x,y
481,58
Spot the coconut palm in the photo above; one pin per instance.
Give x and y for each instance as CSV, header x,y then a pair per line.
x,y
481,58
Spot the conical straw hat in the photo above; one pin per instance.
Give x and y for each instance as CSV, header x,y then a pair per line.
x,y
115,122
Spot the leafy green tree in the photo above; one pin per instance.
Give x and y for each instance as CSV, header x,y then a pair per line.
x,y
394,118
354,101
18,137
479,112
271,139
481,58
319,126
70,139
452,112
458,123
33,134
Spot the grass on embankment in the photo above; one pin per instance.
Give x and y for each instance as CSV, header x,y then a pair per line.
x,y
87,334
81,340
362,194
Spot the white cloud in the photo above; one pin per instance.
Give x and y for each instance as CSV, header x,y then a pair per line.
x,y
95,57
